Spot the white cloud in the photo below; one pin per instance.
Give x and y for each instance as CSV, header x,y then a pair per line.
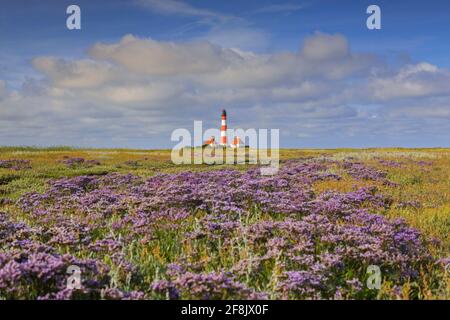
x,y
238,35
139,89
225,30
73,74
137,94
419,80
178,8
421,112
325,46
152,57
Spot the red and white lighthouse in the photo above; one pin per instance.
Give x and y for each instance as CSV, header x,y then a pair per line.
x,y
223,129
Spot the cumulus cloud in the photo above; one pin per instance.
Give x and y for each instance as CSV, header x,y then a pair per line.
x,y
321,55
325,47
137,90
422,79
73,74
164,58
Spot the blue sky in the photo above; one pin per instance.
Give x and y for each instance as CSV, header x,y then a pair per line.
x,y
140,69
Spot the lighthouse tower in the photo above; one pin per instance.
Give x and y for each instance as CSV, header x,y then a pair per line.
x,y
223,129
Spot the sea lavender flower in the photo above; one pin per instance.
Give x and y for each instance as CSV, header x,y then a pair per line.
x,y
313,239
209,286
15,164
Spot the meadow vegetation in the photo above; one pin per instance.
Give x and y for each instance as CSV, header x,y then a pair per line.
x,y
141,227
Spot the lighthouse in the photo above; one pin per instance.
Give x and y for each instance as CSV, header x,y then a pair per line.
x,y
223,129
223,142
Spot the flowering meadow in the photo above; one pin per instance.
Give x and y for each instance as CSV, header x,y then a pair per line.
x,y
140,227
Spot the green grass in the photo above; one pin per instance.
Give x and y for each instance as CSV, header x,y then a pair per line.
x,y
428,185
